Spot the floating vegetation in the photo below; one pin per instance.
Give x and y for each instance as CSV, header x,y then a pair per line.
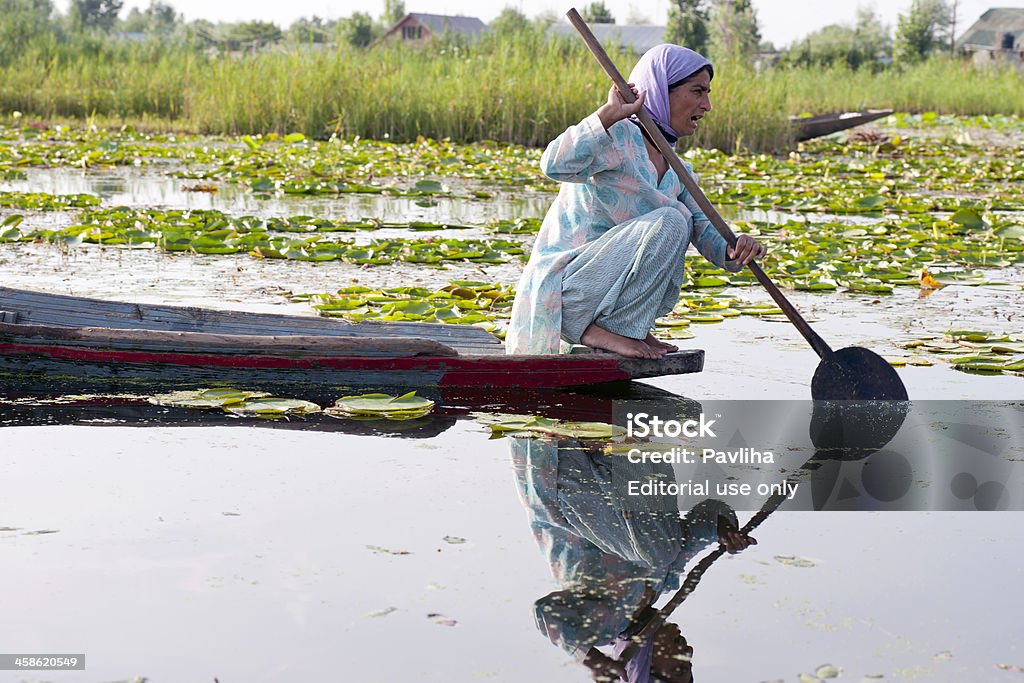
x,y
212,233
873,259
794,561
379,550
907,175
290,164
374,406
518,226
827,671
204,398
825,256
704,307
41,201
236,402
931,119
867,175
974,351
462,302
348,165
270,407
535,426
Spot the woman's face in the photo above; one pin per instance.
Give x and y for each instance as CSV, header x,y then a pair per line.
x,y
689,102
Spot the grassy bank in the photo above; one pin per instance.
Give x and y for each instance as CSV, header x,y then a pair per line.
x,y
523,90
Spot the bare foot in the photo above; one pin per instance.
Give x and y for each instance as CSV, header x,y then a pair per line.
x,y
651,340
599,338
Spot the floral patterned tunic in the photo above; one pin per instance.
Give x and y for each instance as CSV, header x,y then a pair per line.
x,y
607,179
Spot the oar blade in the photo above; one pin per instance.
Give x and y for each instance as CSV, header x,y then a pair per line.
x,y
856,374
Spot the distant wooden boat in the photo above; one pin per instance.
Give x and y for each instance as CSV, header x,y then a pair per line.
x,y
57,342
809,127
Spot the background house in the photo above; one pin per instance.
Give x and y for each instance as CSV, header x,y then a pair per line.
x,y
420,28
997,35
639,38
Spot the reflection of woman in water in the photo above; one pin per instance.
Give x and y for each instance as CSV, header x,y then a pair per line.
x,y
611,556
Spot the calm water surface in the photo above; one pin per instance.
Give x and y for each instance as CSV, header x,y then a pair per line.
x,y
258,554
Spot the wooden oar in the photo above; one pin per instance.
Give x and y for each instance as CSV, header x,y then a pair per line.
x,y
852,373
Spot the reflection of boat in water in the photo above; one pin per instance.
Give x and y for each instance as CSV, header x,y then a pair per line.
x,y
80,343
592,404
126,411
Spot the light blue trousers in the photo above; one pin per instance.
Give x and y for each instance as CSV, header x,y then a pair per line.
x,y
627,278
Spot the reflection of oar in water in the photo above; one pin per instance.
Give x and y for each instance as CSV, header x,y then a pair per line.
x,y
839,429
853,373
694,576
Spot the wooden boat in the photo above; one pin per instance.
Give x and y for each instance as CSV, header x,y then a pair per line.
x,y
809,127
57,343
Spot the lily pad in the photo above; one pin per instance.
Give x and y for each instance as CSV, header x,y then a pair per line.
x,y
405,407
827,671
533,425
272,407
969,218
205,398
237,402
429,187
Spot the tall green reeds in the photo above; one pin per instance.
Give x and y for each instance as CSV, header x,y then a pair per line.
x,y
522,89
942,85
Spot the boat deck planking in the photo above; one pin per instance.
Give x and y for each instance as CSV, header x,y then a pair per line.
x,y
58,310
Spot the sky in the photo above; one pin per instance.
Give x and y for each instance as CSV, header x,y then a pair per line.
x,y
782,21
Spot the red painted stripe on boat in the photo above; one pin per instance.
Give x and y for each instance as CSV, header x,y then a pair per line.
x,y
497,370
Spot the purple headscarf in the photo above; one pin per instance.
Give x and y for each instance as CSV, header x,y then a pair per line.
x,y
660,67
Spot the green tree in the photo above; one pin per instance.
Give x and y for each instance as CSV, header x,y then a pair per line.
x,y
157,19
688,24
510,21
94,14
261,32
201,32
314,30
394,10
597,13
135,22
734,30
858,45
22,22
542,21
828,45
872,34
921,31
358,29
